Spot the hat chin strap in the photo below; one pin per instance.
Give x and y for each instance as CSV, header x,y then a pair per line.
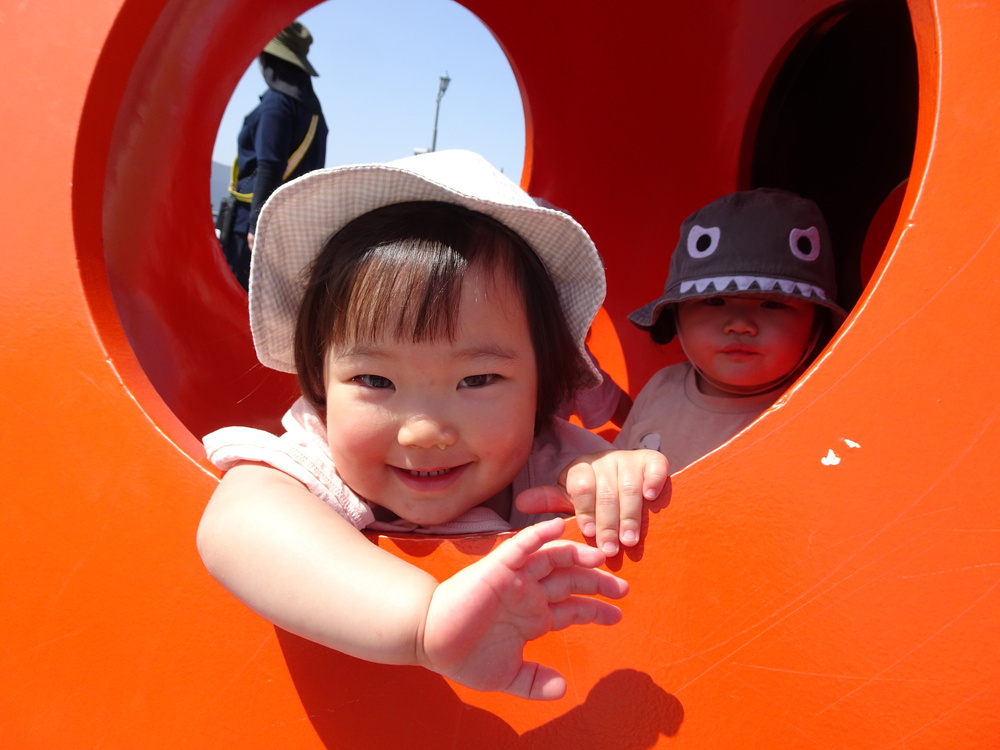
x,y
758,390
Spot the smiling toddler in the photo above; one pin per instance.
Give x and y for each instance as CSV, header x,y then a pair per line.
x,y
436,318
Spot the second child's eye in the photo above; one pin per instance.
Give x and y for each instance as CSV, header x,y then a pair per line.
x,y
714,302
373,381
773,304
478,381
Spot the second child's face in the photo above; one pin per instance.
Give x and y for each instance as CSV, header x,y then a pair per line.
x,y
429,430
744,341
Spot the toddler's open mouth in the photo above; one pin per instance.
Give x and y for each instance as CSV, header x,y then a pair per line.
x,y
431,479
436,473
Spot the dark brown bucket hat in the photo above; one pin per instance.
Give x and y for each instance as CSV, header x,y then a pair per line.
x,y
756,241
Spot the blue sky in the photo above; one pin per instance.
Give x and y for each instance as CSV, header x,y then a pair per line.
x,y
380,64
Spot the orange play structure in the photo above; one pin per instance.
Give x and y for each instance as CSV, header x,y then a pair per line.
x,y
829,578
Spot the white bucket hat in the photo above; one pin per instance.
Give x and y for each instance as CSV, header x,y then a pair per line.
x,y
301,215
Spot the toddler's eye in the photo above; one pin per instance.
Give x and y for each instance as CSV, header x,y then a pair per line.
x,y
478,381
702,241
772,304
804,243
714,302
373,381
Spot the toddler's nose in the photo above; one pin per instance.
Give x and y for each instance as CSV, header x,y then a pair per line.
x,y
742,324
422,431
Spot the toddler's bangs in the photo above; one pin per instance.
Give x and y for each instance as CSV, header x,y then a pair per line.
x,y
408,290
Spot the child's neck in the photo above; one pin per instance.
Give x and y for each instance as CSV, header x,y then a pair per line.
x,y
500,503
713,388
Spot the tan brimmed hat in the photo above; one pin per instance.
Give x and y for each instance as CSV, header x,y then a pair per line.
x,y
292,45
303,214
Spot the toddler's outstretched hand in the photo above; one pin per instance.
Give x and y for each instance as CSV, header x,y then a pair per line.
x,y
480,619
606,491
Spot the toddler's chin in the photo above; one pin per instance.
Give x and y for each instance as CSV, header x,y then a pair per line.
x,y
433,517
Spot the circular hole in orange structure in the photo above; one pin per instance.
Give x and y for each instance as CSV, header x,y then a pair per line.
x,y
380,63
183,315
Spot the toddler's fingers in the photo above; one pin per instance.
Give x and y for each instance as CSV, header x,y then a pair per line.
x,y
537,682
583,610
581,483
518,551
564,583
631,485
655,472
546,499
617,490
562,554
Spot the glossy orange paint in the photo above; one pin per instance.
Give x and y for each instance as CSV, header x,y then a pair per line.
x,y
783,597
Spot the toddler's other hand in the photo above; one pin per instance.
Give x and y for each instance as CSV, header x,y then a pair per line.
x,y
606,490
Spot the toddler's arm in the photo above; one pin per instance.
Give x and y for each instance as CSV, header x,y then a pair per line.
x,y
606,491
293,560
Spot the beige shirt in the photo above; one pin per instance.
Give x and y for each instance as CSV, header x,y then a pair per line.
x,y
672,416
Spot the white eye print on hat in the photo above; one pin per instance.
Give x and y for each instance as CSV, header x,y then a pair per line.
x,y
703,241
804,243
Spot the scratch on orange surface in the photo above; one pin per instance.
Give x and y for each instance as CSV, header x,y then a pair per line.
x,y
250,660
916,648
821,587
819,590
936,719
831,676
949,571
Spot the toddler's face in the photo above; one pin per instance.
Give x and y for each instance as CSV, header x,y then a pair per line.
x,y
745,340
429,430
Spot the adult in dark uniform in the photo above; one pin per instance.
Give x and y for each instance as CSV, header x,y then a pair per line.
x,y
282,138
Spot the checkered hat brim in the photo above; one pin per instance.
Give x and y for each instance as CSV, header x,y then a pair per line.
x,y
303,214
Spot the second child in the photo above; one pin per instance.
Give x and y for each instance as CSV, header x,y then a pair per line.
x,y
752,297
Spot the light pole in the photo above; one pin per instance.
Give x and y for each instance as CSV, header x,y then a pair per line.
x,y
445,80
